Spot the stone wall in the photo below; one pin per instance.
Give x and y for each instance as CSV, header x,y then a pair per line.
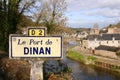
x,y
106,53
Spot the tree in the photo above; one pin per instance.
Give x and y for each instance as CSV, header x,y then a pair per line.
x,y
51,14
10,15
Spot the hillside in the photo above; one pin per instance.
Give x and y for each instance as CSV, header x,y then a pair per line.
x,y
114,25
81,29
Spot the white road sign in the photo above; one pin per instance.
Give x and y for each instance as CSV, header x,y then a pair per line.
x,y
43,47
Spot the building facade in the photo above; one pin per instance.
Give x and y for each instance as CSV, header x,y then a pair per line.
x,y
94,41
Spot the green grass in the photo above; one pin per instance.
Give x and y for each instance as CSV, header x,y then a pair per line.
x,y
91,58
76,56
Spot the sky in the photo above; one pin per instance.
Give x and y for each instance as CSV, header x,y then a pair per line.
x,y
86,13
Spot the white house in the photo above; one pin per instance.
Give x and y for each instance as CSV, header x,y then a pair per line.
x,y
94,41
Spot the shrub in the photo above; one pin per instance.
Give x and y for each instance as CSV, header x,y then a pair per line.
x,y
118,53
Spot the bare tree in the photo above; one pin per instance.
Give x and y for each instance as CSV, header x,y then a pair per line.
x,y
51,14
26,5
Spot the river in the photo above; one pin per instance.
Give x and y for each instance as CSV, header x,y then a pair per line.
x,y
83,72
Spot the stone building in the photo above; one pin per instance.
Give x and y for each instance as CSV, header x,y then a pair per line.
x,y
94,30
82,35
94,41
113,30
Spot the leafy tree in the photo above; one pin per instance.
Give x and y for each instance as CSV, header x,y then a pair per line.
x,y
10,15
49,13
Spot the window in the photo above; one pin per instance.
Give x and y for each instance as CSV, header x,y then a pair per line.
x,y
118,41
99,42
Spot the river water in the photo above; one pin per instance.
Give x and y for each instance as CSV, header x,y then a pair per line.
x,y
83,72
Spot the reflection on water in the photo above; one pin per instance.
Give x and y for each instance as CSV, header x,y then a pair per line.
x,y
73,43
83,72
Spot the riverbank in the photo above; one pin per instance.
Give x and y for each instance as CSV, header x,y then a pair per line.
x,y
76,56
89,59
14,69
80,57
19,69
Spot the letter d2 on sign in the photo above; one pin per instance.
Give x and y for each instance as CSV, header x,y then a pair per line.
x,y
36,31
28,46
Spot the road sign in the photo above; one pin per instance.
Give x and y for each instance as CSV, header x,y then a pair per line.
x,y
36,31
29,46
36,44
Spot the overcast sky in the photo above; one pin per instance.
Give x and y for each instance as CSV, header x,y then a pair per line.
x,y
85,13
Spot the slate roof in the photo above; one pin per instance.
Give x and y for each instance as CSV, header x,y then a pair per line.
x,y
108,48
92,37
104,37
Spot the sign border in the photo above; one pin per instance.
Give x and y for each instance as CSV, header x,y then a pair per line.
x,y
10,46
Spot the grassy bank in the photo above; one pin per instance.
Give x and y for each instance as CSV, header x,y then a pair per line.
x,y
76,56
91,59
80,57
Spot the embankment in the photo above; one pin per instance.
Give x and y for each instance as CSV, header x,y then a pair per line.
x,y
90,59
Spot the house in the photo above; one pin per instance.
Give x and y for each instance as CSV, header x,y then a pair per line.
x,y
94,30
65,34
103,31
94,41
113,30
110,30
73,35
82,35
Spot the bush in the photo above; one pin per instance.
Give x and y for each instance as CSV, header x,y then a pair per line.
x,y
118,53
